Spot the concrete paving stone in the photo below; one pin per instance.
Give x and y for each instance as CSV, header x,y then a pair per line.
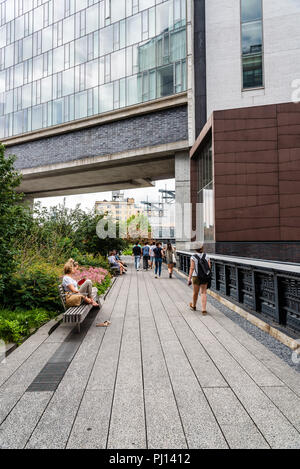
x,y
238,428
60,334
164,428
22,353
127,426
13,389
90,429
200,425
287,402
260,374
17,428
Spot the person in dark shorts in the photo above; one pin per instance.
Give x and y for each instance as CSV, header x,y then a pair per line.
x,y
198,278
146,256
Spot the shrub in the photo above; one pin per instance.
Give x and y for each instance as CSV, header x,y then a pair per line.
x,y
15,326
35,286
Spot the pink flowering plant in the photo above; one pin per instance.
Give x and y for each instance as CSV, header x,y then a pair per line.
x,y
100,277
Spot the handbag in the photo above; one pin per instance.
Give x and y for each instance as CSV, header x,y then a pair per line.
x,y
74,300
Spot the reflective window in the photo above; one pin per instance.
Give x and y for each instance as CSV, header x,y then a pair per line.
x,y
62,60
252,43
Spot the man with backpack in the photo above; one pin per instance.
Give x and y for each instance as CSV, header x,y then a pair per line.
x,y
200,277
146,256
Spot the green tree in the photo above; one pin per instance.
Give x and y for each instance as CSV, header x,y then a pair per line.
x,y
12,215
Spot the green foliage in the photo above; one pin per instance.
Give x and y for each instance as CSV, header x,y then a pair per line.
x,y
12,215
104,285
35,286
17,325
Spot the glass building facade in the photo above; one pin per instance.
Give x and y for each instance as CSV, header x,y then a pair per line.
x,y
252,43
206,191
63,60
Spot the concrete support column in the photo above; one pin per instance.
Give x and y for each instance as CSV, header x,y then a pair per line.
x,y
183,214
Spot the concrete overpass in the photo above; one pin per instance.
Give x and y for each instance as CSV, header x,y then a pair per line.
x,y
119,150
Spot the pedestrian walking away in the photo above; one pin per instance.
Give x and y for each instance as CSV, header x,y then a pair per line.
x,y
200,277
158,253
152,256
170,258
137,253
146,256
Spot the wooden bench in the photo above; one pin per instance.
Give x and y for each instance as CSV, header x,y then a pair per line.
x,y
76,314
115,270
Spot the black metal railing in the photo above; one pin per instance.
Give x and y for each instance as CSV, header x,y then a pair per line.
x,y
269,288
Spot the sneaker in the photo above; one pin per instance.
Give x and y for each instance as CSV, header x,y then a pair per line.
x,y
155,276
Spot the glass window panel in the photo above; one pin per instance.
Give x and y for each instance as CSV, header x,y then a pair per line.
x,y
165,81
164,17
27,47
146,4
147,55
9,101
38,18
252,37
68,29
58,111
18,75
81,105
92,18
58,10
132,90
252,72
9,56
37,117
152,85
19,28
18,123
46,89
81,50
26,96
251,10
68,82
38,67
118,65
2,82
92,71
118,10
10,11
58,59
81,4
27,5
106,97
107,40
134,29
178,44
47,38
3,36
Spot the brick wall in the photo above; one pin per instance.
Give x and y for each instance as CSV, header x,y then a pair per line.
x,y
152,129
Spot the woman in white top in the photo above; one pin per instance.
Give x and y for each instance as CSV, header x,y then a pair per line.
x,y
71,287
199,280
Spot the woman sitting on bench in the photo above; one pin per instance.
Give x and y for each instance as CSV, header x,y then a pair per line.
x,y
75,295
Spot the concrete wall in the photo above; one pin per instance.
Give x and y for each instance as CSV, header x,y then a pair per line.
x,y
148,130
281,54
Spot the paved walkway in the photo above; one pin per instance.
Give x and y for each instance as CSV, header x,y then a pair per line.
x,y
161,376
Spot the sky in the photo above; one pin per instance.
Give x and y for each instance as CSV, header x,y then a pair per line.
x,y
87,201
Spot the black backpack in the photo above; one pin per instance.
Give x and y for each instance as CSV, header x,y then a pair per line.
x,y
204,272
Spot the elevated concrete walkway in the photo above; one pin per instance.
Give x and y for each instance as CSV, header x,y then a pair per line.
x,y
161,376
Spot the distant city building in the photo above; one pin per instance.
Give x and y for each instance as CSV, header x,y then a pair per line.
x,y
119,210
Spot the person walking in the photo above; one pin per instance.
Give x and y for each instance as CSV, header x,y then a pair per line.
x,y
200,277
158,253
152,256
137,253
146,256
170,258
